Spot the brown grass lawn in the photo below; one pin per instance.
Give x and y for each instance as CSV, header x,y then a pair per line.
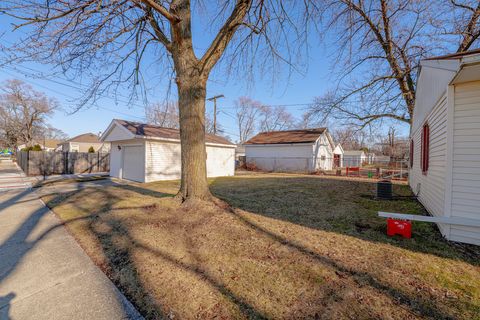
x,y
293,247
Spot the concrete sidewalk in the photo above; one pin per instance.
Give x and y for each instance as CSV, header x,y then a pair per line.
x,y
44,273
12,177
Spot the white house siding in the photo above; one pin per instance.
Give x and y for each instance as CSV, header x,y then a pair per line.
x,y
434,78
116,156
163,161
324,154
431,187
220,161
285,157
466,161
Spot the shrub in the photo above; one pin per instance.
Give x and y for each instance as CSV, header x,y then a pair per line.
x,y
91,150
251,166
37,148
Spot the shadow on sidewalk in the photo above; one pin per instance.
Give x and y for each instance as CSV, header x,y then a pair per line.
x,y
15,248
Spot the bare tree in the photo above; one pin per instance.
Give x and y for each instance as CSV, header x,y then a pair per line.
x,y
247,111
163,114
49,132
466,22
381,43
350,139
393,145
275,119
115,37
24,111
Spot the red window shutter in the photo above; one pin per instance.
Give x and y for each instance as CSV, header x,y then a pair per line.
x,y
411,153
425,149
422,146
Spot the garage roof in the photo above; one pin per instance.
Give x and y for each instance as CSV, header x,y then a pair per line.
x,y
86,137
149,130
288,136
456,55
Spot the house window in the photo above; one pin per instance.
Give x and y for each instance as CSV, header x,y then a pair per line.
x,y
425,148
411,153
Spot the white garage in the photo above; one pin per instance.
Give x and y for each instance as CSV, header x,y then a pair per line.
x,y
307,150
145,153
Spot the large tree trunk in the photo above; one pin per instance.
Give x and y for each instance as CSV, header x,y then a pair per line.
x,y
191,101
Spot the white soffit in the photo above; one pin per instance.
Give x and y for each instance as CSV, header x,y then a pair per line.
x,y
467,73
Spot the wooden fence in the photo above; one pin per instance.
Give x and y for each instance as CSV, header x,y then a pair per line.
x,y
35,163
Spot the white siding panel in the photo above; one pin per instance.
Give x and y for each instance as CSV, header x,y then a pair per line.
x,y
117,134
466,161
323,149
292,157
432,82
220,161
431,187
163,161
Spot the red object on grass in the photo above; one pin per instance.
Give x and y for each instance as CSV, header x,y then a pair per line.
x,y
400,227
353,169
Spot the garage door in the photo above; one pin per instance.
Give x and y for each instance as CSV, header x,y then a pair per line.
x,y
133,163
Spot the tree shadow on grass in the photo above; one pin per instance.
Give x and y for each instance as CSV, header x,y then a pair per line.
x,y
345,207
118,245
417,304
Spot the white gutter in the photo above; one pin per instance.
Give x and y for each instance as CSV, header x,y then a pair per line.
x,y
178,141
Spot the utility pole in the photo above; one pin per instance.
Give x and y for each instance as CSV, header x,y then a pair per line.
x,y
214,99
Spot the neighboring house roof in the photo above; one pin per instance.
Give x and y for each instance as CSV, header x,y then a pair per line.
x,y
353,153
51,143
288,136
456,55
153,131
85,138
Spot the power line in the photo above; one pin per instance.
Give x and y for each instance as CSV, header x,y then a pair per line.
x,y
71,97
279,105
28,74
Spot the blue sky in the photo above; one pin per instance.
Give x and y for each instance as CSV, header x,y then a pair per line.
x,y
294,91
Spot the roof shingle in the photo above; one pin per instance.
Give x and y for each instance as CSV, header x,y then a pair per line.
x,y
149,130
288,136
456,55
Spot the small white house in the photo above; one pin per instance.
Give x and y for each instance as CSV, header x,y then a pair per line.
x,y
354,158
146,153
338,156
306,150
445,143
